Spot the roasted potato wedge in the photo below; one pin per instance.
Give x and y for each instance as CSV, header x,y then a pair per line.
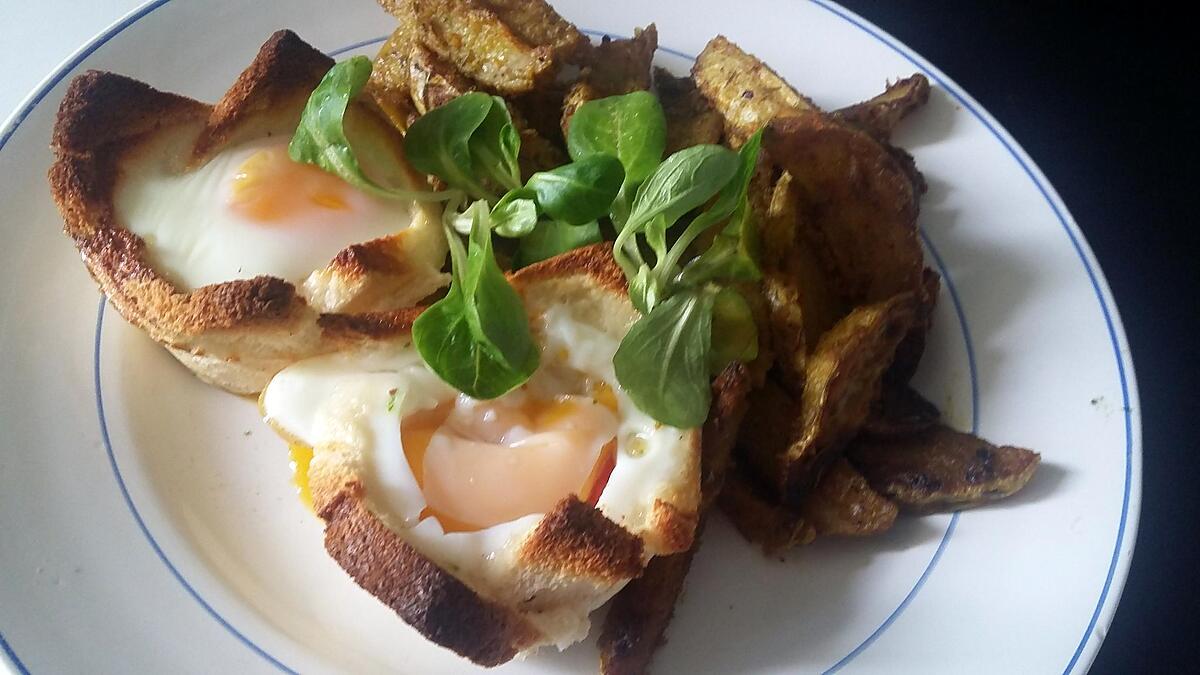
x,y
639,614
743,90
390,85
536,22
859,205
842,379
434,81
912,347
775,528
900,412
942,469
471,35
879,116
843,504
690,118
616,67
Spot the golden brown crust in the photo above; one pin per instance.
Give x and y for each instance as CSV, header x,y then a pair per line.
x,y
576,540
444,609
238,333
595,261
843,504
285,67
942,469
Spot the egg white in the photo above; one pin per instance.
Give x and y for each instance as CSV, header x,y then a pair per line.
x,y
194,238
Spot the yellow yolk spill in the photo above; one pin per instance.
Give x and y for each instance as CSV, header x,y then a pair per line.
x,y
269,187
301,457
458,480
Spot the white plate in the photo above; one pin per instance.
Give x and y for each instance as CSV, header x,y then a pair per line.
x,y
147,523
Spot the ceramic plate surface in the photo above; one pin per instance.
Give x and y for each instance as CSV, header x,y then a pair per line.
x,y
147,522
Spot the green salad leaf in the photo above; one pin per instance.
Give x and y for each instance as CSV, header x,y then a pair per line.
x,y
516,214
734,332
477,337
550,238
439,143
320,138
630,127
579,192
663,362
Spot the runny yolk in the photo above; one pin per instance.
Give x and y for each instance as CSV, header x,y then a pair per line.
x,y
269,187
493,462
301,457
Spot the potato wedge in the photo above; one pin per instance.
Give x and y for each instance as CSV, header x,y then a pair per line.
x,y
942,469
536,22
900,412
434,81
615,67
390,84
760,521
912,347
842,379
843,504
879,115
743,90
639,614
859,206
690,118
471,35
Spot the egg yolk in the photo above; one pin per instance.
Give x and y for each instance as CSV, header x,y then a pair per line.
x,y
270,188
301,457
488,462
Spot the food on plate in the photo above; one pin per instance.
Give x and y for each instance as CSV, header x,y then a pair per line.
x,y
940,468
515,516
880,114
614,67
565,280
204,233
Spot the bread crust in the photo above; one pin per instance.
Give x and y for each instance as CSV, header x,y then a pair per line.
x,y
239,333
574,545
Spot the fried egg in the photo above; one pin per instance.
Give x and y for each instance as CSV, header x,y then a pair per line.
x,y
247,211
466,481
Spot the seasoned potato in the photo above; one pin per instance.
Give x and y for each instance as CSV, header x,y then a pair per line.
x,y
900,412
471,35
775,528
615,67
879,116
860,207
690,118
843,504
639,614
912,347
842,379
941,469
536,22
390,84
434,81
743,90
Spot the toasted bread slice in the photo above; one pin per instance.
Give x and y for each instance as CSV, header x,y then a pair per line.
x,y
557,567
238,333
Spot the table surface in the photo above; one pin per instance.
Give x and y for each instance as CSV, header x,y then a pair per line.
x,y
1091,96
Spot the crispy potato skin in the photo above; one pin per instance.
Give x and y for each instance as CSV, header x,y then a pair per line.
x,y
615,67
900,412
860,206
942,469
843,504
880,115
772,527
471,35
743,89
690,118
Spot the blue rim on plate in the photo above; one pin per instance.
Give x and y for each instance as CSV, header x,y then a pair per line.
x,y
1047,193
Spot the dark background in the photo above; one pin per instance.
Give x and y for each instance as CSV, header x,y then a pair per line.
x,y
1100,100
